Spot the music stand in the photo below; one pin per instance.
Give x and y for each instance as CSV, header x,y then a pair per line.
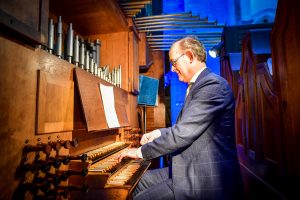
x,y
148,92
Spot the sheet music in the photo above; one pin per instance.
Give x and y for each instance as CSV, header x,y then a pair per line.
x,y
107,94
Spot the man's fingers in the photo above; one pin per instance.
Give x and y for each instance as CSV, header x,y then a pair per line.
x,y
131,153
121,156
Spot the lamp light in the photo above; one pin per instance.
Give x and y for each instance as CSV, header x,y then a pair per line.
x,y
215,50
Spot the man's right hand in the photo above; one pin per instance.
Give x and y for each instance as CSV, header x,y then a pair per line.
x,y
149,137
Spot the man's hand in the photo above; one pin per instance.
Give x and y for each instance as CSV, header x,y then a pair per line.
x,y
130,153
149,137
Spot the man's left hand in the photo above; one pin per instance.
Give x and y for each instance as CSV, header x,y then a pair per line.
x,y
130,153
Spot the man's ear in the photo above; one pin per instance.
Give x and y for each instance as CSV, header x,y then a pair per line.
x,y
190,55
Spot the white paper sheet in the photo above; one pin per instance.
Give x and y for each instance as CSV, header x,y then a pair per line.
x,y
107,94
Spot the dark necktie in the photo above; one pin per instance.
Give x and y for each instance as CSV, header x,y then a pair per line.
x,y
188,89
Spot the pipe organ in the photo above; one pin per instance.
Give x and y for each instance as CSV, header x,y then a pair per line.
x,y
84,165
55,138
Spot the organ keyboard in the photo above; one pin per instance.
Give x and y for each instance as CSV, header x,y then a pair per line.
x,y
101,153
127,174
107,178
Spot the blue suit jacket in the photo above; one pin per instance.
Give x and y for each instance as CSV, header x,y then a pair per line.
x,y
202,143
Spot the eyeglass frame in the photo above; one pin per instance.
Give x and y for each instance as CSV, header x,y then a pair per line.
x,y
173,62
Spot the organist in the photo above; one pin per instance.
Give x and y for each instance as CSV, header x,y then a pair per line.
x,y
201,143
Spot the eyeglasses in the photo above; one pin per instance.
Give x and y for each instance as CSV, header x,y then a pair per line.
x,y
173,62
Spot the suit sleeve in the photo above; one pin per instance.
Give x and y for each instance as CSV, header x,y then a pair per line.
x,y
207,101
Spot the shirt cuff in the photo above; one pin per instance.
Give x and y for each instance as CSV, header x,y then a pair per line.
x,y
139,152
157,133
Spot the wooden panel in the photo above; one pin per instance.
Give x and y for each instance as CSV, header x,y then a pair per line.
x,y
156,115
133,62
158,68
18,86
250,107
91,17
133,116
286,65
114,52
248,123
55,103
121,49
258,125
91,100
108,193
142,49
231,76
29,23
145,58
240,122
269,134
226,71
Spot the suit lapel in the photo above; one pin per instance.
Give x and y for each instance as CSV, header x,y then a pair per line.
x,y
200,77
188,98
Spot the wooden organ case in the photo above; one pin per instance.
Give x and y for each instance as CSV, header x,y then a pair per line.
x,y
55,138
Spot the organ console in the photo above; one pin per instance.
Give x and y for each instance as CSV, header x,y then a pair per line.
x,y
70,169
106,174
100,173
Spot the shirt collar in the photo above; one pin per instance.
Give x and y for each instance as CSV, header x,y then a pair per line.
x,y
194,78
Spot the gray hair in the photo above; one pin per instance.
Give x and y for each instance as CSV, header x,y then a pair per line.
x,y
192,43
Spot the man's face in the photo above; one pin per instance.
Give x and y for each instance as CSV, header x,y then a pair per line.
x,y
178,59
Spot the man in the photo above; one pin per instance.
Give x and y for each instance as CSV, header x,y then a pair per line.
x,y
201,143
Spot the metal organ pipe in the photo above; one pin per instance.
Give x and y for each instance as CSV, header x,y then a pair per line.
x,y
98,45
69,44
59,38
87,60
177,22
82,54
50,36
76,51
172,19
187,14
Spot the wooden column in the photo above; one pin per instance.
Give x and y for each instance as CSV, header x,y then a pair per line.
x,y
286,47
